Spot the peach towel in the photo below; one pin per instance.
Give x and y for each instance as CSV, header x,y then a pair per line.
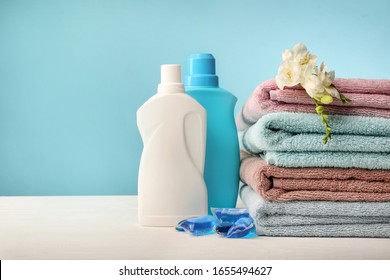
x,y
337,184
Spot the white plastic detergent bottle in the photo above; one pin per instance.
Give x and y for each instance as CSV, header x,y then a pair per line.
x,y
172,125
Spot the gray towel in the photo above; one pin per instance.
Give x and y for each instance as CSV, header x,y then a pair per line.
x,y
317,218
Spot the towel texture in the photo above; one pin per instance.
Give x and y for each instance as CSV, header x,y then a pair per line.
x,y
369,98
317,218
297,186
295,140
285,184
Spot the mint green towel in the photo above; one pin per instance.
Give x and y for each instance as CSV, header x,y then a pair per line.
x,y
295,140
317,218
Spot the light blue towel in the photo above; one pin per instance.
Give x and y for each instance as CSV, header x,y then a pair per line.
x,y
317,218
295,140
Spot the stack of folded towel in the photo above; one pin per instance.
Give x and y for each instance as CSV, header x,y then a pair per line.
x,y
294,185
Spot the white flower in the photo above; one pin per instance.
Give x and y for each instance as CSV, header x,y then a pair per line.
x,y
287,55
327,80
333,91
289,74
313,85
295,63
298,67
302,56
318,85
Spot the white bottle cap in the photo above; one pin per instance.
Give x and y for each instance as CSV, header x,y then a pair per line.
x,y
170,79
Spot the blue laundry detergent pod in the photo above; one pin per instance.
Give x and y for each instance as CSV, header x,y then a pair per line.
x,y
244,227
230,215
198,225
223,228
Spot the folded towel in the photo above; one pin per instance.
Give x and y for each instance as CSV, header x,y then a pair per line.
x,y
295,140
317,218
336,184
369,98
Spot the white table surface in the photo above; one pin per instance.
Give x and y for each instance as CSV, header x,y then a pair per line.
x,y
105,227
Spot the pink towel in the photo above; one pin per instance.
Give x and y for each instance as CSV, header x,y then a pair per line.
x,y
369,98
336,184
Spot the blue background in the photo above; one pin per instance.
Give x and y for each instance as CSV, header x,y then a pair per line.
x,y
73,73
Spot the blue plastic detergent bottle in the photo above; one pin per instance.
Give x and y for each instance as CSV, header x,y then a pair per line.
x,y
222,163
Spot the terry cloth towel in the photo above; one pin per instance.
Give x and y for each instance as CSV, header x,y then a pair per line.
x,y
369,98
317,218
295,140
285,184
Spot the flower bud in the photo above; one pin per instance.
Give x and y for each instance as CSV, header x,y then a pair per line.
x,y
326,99
320,109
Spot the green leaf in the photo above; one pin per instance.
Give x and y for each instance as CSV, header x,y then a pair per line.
x,y
344,99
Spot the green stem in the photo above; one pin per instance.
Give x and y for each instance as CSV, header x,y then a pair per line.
x,y
324,117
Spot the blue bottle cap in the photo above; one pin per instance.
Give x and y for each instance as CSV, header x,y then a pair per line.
x,y
201,70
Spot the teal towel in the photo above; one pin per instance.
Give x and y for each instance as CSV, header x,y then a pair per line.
x,y
317,218
295,140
